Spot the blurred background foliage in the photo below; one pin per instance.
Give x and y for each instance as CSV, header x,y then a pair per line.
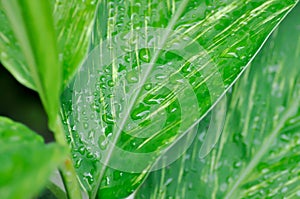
x,y
22,104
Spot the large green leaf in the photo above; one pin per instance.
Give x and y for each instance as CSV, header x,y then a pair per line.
x,y
43,42
26,162
259,151
154,70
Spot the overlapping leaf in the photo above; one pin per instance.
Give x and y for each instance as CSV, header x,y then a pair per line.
x,y
154,70
31,24
42,43
73,22
258,154
26,162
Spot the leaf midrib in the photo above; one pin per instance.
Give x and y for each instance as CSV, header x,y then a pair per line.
x,y
170,26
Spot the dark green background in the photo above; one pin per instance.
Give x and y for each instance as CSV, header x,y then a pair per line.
x,y
22,104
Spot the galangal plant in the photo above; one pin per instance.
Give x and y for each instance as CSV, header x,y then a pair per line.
x,y
144,98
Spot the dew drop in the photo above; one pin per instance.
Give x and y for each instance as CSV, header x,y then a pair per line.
x,y
140,112
233,54
144,55
107,119
89,155
284,189
223,187
110,83
81,150
91,134
132,77
169,180
102,78
148,87
85,125
160,76
102,142
78,163
88,177
237,164
133,144
117,175
107,180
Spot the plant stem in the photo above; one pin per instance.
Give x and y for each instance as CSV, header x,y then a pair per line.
x,y
67,169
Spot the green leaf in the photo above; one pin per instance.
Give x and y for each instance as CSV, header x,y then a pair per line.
x,y
154,71
258,153
26,162
32,24
42,43
73,22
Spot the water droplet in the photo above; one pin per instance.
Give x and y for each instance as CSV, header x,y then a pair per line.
x,y
78,163
144,55
107,180
168,181
117,175
133,144
108,119
91,134
160,76
88,177
81,150
223,187
127,58
89,155
284,189
121,67
237,164
132,77
85,125
154,99
284,137
140,112
108,131
102,142
102,78
233,54
110,83
148,87
69,139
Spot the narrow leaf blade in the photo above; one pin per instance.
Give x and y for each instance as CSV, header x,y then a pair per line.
x,y
32,24
42,44
74,22
26,162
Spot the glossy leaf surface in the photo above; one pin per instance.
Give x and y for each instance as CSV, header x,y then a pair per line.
x,y
26,162
31,25
258,153
42,43
72,21
154,70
